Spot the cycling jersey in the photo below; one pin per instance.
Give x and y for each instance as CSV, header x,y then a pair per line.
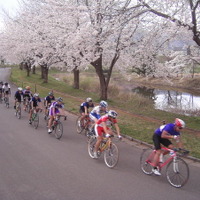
x,y
18,96
87,105
1,88
168,128
6,88
96,112
27,93
56,106
35,101
49,99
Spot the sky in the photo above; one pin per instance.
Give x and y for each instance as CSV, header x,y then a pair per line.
x,y
9,6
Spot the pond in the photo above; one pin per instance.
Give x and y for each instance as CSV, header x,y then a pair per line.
x,y
172,101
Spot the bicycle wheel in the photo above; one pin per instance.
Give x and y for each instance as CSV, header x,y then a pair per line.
x,y
111,156
35,120
145,160
177,172
79,127
91,145
18,112
58,130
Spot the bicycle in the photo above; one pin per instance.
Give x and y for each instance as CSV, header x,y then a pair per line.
x,y
83,125
1,99
110,150
35,117
57,126
177,170
6,100
18,110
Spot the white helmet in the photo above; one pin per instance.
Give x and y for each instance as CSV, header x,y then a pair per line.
x,y
19,88
180,123
36,95
103,104
112,113
89,99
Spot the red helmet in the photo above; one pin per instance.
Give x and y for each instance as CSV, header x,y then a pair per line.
x,y
180,123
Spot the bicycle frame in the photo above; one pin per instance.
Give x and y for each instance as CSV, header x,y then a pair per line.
x,y
105,143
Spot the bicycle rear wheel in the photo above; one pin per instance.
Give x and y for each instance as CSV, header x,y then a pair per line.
x,y
91,145
111,156
35,120
58,130
145,160
177,172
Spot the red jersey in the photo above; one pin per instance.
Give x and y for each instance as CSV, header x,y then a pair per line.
x,y
105,119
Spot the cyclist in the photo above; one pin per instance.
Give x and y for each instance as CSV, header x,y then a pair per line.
x,y
84,108
162,136
27,95
47,102
35,104
97,111
6,89
1,89
18,96
102,127
55,109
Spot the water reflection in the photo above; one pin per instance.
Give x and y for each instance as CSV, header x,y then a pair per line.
x,y
173,101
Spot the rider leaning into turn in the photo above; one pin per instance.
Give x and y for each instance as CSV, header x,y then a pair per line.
x,y
162,135
35,104
55,109
84,108
102,127
27,94
6,89
47,101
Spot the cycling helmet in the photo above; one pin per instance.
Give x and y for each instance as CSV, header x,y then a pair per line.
x,y
112,113
180,123
1,82
36,95
89,99
6,83
103,104
60,99
50,93
28,87
19,88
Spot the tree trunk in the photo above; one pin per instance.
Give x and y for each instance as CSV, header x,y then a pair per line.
x,y
103,83
42,72
33,70
28,68
76,78
45,73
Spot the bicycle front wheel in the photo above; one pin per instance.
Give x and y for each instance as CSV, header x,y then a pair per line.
x,y
79,126
177,172
91,146
58,130
35,120
111,156
145,159
18,113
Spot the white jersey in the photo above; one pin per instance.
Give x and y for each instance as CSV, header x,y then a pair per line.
x,y
6,88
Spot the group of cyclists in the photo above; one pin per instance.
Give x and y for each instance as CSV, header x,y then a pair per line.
x,y
101,117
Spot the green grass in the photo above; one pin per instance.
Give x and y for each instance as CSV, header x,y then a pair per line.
x,y
140,122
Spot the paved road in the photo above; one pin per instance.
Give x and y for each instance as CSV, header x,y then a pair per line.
x,y
36,166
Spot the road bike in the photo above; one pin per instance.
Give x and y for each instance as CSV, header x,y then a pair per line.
x,y
35,117
1,99
18,110
6,100
177,170
57,126
107,147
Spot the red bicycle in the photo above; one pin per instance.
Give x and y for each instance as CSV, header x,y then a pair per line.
x,y
177,170
83,125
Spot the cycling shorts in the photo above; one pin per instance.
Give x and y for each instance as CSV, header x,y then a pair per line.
x,y
99,131
158,140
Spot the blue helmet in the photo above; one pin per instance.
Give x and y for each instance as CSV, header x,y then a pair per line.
x,y
103,104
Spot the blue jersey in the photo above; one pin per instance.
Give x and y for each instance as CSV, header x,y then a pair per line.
x,y
168,128
35,101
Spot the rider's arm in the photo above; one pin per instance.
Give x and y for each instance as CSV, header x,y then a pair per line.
x,y
117,129
105,128
86,110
